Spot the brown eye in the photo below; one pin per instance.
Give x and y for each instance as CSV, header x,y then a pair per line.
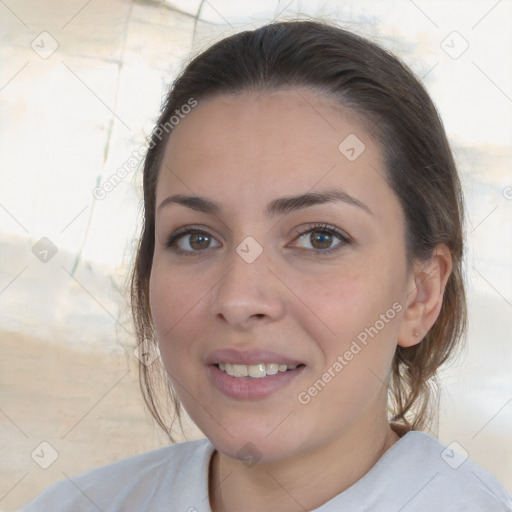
x,y
192,241
198,241
320,239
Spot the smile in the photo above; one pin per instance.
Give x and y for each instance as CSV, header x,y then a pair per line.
x,y
255,371
252,381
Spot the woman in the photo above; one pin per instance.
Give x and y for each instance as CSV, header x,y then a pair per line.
x,y
300,269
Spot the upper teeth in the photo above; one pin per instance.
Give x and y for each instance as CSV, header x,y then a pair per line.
x,y
254,370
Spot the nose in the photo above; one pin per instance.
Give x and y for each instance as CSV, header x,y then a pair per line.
x,y
248,293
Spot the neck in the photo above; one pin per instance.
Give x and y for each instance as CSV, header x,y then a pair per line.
x,y
303,481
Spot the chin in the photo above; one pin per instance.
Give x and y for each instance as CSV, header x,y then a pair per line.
x,y
250,451
253,441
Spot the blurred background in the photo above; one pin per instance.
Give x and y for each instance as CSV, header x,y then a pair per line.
x,y
81,84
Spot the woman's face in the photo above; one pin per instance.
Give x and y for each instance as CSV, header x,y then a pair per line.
x,y
280,250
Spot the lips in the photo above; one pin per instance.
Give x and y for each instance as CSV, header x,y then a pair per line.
x,y
251,374
254,371
250,357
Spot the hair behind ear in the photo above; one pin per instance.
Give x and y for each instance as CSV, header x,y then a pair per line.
x,y
414,388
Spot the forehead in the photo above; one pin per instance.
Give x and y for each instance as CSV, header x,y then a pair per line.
x,y
257,145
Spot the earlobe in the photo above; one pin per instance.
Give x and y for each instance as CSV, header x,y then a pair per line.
x,y
424,300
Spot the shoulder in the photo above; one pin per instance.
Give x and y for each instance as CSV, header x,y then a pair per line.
x,y
419,474
142,482
430,476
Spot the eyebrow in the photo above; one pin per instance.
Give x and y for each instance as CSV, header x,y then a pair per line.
x,y
276,207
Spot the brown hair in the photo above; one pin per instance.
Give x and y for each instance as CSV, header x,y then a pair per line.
x,y
420,169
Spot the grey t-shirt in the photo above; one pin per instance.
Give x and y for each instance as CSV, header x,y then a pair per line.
x,y
416,474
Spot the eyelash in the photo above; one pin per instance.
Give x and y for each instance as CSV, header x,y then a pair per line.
x,y
181,233
325,228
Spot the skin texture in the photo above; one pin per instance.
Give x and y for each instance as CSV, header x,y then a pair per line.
x,y
244,151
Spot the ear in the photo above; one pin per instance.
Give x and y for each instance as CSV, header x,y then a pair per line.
x,y
426,285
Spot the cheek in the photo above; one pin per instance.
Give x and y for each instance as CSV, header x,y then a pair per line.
x,y
360,304
355,326
175,306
